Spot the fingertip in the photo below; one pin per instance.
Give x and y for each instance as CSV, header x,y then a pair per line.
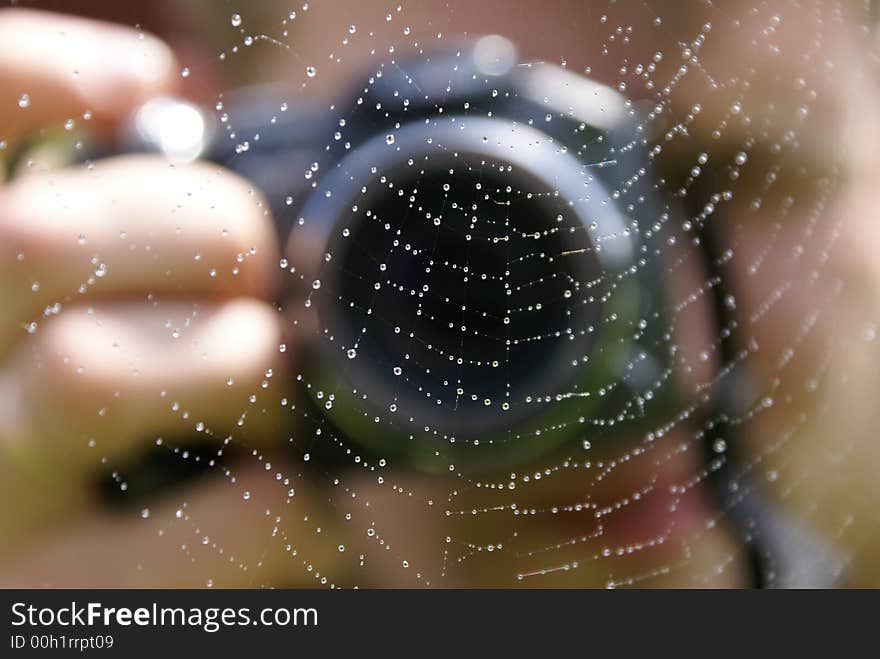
x,y
66,66
246,334
248,231
140,67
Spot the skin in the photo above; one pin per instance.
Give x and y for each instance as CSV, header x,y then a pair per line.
x,y
114,373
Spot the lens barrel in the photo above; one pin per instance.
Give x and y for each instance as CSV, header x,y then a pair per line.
x,y
472,250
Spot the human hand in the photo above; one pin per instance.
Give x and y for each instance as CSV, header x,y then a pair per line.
x,y
134,295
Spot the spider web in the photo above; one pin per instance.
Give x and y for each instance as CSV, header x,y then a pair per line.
x,y
480,393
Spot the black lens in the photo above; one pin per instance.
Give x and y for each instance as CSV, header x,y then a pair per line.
x,y
462,286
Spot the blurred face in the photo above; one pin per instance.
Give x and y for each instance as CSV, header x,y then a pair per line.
x,y
754,141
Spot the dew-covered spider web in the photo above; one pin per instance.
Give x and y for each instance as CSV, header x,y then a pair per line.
x,y
564,307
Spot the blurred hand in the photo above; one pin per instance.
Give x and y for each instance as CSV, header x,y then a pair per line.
x,y
134,307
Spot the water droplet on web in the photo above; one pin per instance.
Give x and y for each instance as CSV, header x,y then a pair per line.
x,y
311,71
24,101
235,20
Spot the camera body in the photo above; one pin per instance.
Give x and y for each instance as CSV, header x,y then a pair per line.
x,y
473,242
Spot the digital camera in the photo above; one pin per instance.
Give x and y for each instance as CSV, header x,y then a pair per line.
x,y
472,250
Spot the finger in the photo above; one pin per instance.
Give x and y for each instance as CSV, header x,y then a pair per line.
x,y
244,528
99,384
55,67
131,224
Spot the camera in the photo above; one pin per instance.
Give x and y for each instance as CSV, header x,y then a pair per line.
x,y
473,245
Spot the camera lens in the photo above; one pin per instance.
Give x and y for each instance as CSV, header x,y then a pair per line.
x,y
466,285
463,285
